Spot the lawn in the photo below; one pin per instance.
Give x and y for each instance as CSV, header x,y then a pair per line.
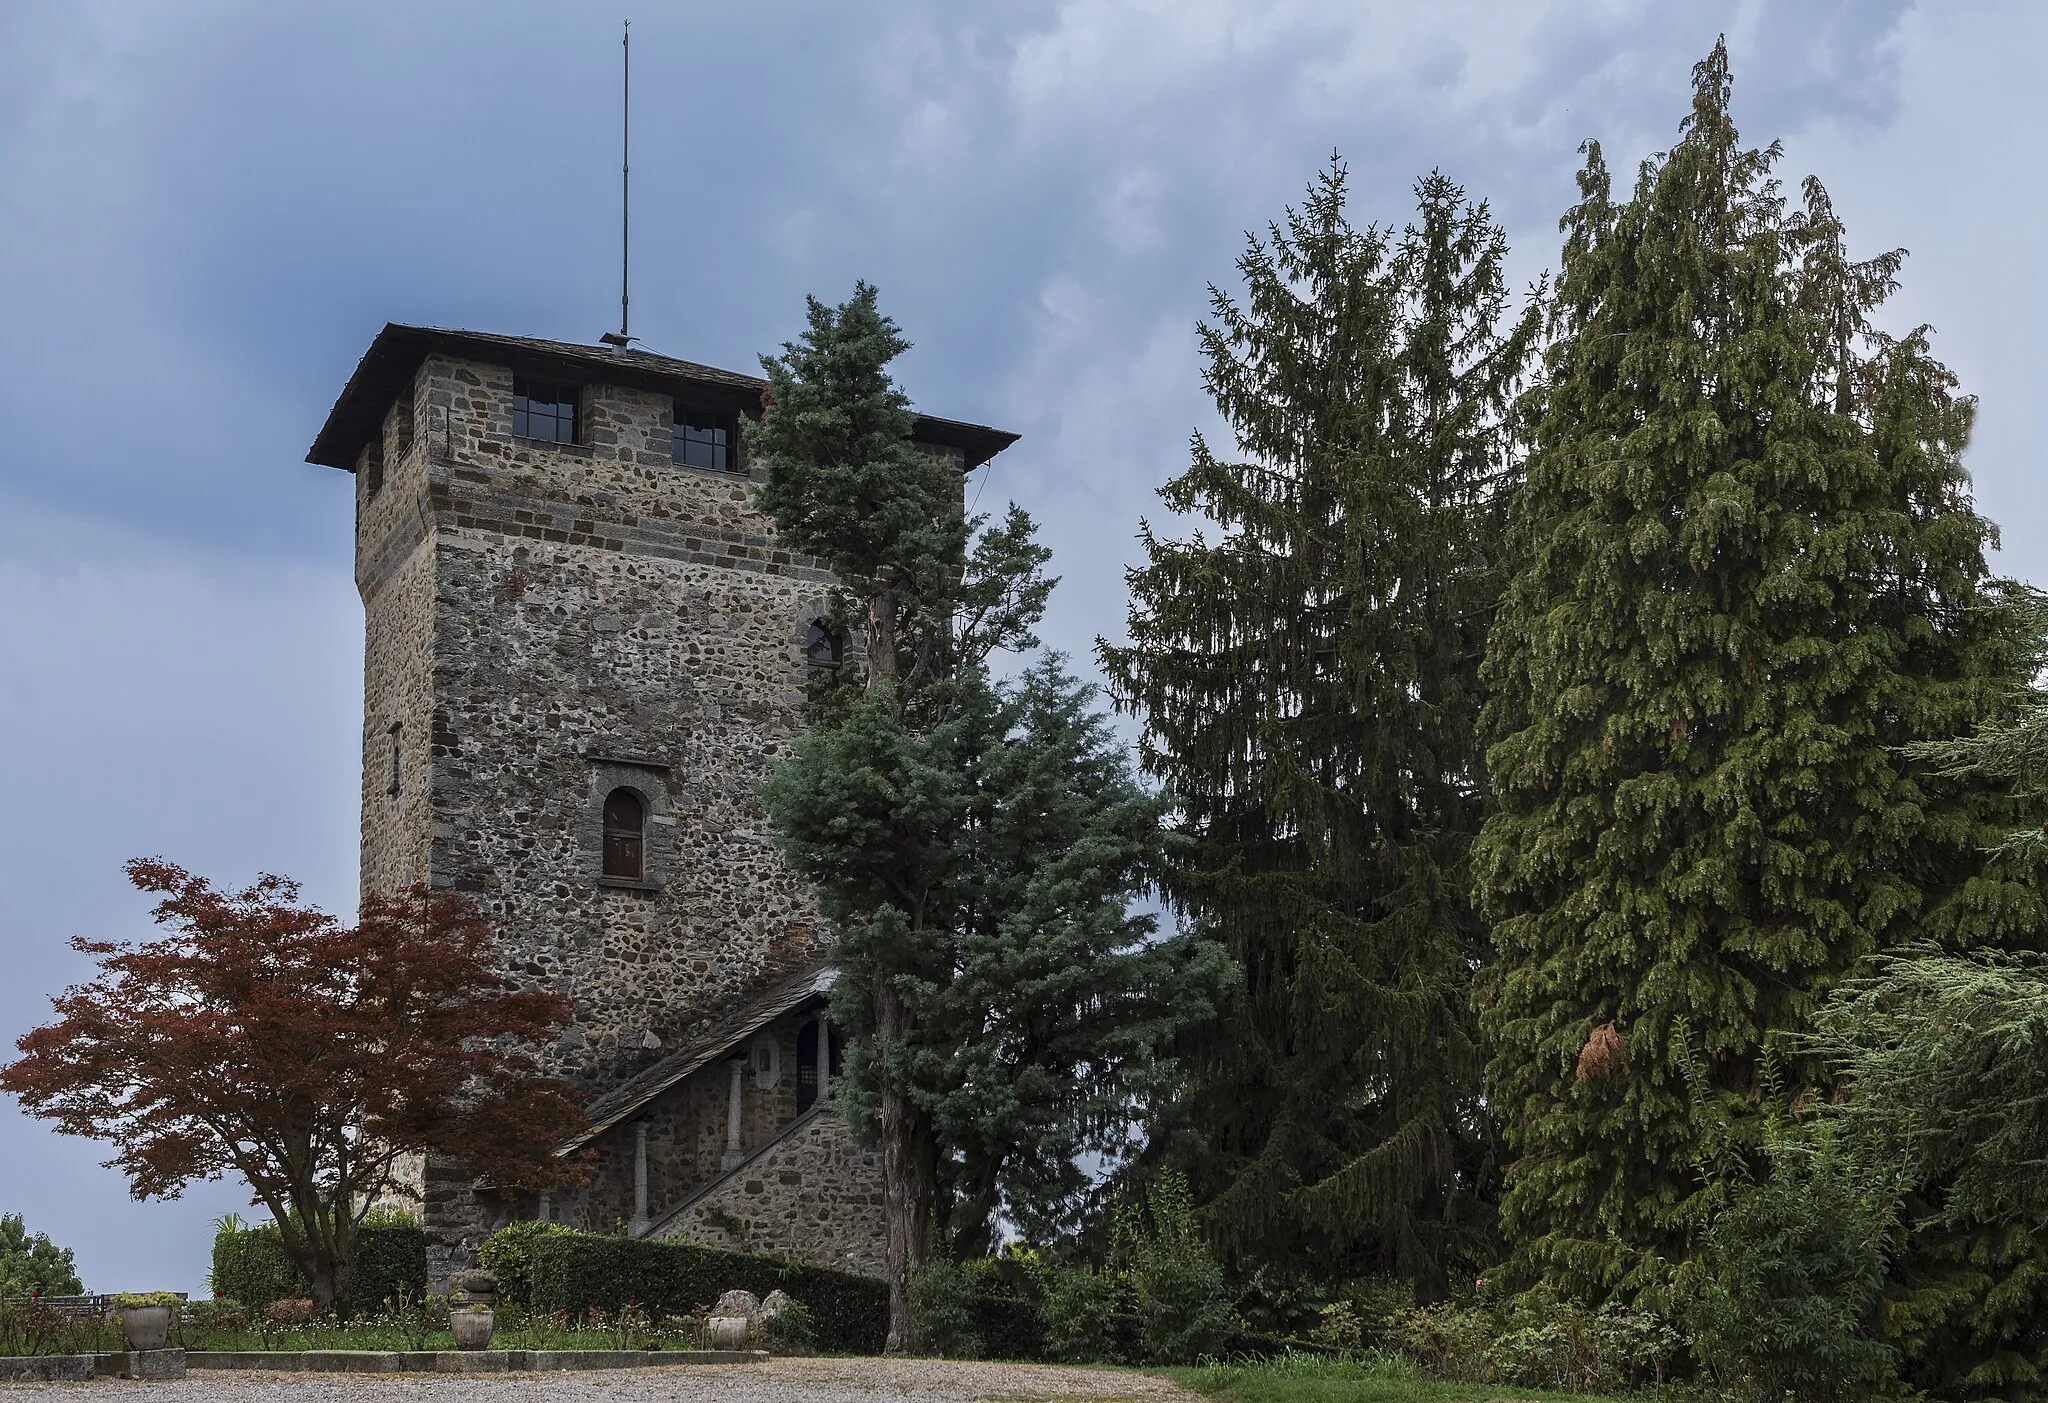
x,y
1300,1378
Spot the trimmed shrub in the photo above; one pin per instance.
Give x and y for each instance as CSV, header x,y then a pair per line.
x,y
577,1272
250,1266
508,1255
390,1256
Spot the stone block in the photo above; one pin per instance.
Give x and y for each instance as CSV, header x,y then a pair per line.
x,y
48,1368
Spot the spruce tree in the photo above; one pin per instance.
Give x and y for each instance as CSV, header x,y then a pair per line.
x,y
978,845
1308,687
1745,564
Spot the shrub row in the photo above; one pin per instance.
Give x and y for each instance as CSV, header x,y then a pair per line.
x,y
250,1266
578,1272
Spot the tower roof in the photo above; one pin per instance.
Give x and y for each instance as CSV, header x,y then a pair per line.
x,y
387,368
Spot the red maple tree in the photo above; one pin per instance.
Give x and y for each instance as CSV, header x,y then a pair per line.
x,y
260,1035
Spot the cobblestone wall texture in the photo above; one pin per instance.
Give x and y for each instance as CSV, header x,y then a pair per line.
x,y
815,1196
545,623
686,1134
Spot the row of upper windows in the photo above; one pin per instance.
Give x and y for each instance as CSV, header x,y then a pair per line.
x,y
548,411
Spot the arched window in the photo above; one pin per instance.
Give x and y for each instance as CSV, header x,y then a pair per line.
x,y
823,647
625,835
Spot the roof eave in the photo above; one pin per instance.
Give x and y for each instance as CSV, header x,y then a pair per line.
x,y
396,352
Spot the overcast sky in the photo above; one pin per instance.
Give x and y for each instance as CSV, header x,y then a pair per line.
x,y
208,209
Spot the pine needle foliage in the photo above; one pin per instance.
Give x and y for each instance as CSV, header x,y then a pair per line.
x,y
978,844
1746,572
1944,1061
1308,687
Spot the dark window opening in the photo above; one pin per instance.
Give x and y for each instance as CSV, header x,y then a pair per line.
x,y
401,426
373,468
543,410
824,647
392,787
807,1063
625,835
705,440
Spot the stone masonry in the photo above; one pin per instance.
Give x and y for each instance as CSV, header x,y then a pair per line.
x,y
811,1196
545,623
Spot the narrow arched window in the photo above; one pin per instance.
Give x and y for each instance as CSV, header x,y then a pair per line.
x,y
625,835
823,647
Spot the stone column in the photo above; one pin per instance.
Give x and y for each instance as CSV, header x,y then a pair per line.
x,y
733,1153
547,1208
638,1227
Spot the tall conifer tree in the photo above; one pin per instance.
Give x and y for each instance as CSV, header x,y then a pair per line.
x,y
977,844
1308,687
1745,569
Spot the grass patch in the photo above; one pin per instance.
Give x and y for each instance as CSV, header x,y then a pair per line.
x,y
1308,1378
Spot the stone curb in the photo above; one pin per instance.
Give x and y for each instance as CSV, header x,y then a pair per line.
x,y
77,1368
456,1361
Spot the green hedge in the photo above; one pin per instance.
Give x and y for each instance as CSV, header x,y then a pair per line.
x,y
1009,1328
249,1265
575,1272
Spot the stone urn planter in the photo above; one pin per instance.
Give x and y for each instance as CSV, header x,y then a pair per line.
x,y
472,1294
145,1319
726,1332
472,1326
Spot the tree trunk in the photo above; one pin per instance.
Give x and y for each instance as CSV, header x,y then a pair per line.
x,y
907,1166
882,634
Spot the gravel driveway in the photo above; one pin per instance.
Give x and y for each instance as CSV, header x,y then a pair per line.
x,y
774,1381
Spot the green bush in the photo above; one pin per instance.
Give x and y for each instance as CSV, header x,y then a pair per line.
x,y
508,1255
1449,1341
1010,1327
1080,1306
250,1265
942,1310
794,1328
1538,1341
1791,1276
34,1266
1184,1312
575,1272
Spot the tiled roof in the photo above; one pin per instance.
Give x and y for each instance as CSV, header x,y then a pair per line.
x,y
733,1027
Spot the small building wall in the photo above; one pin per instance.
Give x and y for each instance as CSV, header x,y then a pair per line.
x,y
813,1197
686,1135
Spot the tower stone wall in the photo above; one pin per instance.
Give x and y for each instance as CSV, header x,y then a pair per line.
x,y
547,622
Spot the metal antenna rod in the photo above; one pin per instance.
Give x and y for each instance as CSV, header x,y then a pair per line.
x,y
619,340
625,179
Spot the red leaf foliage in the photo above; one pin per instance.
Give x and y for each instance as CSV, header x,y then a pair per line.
x,y
259,1035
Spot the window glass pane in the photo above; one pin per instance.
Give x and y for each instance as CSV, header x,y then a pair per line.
x,y
702,440
544,410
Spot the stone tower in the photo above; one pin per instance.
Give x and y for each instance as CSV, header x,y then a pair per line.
x,y
583,649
